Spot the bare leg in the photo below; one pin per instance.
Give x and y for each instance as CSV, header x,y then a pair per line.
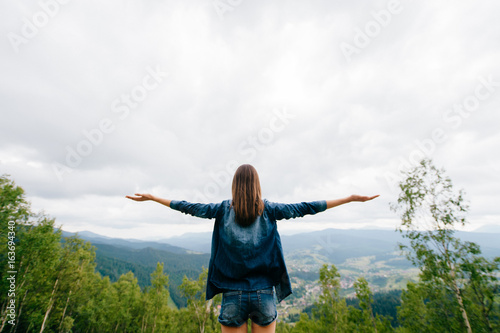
x,y
241,329
271,328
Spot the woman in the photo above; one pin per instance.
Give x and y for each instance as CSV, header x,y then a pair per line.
x,y
247,263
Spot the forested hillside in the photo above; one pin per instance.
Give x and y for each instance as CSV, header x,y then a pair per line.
x,y
115,257
114,261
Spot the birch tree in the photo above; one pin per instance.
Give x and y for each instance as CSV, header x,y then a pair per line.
x,y
431,210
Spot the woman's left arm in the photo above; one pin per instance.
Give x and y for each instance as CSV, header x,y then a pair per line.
x,y
354,197
288,211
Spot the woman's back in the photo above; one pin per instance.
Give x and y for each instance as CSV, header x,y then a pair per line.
x,y
247,257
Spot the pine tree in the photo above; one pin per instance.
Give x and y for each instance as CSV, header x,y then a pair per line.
x,y
366,319
156,308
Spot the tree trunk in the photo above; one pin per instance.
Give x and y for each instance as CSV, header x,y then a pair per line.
x,y
201,321
336,318
462,308
20,310
4,319
458,295
51,303
24,297
372,317
143,325
154,323
24,275
64,311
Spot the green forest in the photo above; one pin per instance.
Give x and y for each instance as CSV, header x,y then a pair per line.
x,y
49,283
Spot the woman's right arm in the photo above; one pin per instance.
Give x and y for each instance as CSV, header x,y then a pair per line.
x,y
206,211
147,197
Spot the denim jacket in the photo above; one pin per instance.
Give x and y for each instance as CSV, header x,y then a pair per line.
x,y
247,258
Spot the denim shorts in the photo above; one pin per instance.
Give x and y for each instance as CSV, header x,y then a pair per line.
x,y
238,306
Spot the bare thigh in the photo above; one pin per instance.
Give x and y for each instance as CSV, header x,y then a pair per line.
x,y
241,329
271,328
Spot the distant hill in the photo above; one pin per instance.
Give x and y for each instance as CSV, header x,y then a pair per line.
x,y
489,242
490,228
339,244
129,243
194,241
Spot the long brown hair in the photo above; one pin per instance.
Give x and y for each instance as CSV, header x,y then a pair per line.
x,y
247,199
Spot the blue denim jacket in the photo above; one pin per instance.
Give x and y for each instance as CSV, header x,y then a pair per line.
x,y
251,257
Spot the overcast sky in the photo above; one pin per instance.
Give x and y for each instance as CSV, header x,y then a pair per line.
x,y
102,99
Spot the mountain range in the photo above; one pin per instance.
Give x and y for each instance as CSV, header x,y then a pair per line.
x,y
340,244
185,255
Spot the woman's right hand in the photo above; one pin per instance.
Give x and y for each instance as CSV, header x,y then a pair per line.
x,y
140,197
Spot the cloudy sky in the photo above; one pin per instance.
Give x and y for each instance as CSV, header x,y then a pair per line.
x,y
101,99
